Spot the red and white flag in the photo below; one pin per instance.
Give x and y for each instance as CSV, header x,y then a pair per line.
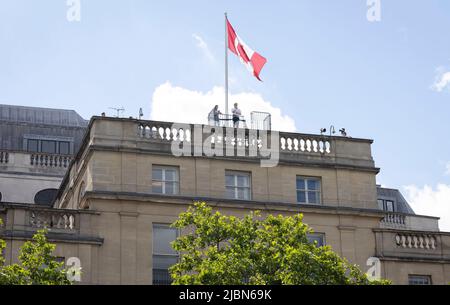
x,y
251,59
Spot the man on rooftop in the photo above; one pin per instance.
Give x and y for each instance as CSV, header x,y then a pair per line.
x,y
236,115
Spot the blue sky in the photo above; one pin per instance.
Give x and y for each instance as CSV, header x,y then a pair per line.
x,y
327,64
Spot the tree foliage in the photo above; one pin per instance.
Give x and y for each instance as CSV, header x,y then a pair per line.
x,y
37,265
226,250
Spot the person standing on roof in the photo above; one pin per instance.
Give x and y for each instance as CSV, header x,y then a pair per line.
x,y
236,115
216,113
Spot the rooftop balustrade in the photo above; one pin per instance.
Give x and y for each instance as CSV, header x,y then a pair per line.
x,y
412,244
409,222
22,220
24,162
296,147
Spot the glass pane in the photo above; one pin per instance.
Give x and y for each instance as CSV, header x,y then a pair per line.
x,y
242,181
170,175
300,184
312,197
243,193
157,187
48,147
161,277
162,237
380,204
247,195
313,185
33,145
419,280
164,262
389,206
229,180
64,148
316,238
301,196
157,174
171,188
230,193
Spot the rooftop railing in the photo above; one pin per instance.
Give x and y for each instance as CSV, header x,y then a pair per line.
x,y
22,161
55,220
30,218
409,222
287,142
412,244
50,160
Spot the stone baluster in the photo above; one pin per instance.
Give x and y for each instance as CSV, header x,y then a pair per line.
x,y
417,241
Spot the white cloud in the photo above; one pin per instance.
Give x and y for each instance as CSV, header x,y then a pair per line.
x,y
432,202
177,104
447,169
203,46
442,80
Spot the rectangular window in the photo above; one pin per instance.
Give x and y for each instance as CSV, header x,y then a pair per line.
x,y
308,190
64,148
317,237
380,204
386,205
419,279
389,206
48,146
165,180
32,145
238,185
164,255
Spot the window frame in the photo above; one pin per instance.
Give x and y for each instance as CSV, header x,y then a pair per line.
x,y
321,234
380,203
55,146
417,276
236,187
39,139
163,181
384,202
177,255
59,147
37,145
307,191
387,206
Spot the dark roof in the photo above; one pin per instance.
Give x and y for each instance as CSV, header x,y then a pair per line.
x,y
402,205
45,116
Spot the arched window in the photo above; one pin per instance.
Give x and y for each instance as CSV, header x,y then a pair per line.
x,y
45,197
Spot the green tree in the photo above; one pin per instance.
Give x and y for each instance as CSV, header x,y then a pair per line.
x,y
226,250
37,265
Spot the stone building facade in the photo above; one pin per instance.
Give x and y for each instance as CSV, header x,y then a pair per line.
x,y
36,148
125,186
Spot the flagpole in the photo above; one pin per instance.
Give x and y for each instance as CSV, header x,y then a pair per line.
x,y
226,66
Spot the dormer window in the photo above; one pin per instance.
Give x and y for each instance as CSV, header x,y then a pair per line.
x,y
48,145
386,205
